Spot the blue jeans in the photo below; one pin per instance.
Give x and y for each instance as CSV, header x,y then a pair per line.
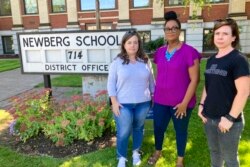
x,y
162,116
131,119
223,146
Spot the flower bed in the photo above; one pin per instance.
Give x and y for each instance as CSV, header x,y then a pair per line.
x,y
79,118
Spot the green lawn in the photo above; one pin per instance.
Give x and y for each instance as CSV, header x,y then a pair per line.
x,y
74,80
9,64
197,154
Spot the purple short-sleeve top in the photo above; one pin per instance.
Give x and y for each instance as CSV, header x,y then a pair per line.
x,y
172,78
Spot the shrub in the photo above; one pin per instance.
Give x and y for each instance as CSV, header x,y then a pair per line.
x,y
151,46
63,121
32,111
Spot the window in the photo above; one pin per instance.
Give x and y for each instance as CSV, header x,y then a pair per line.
x,y
145,36
104,4
141,3
5,9
215,1
58,6
8,47
207,37
104,26
30,6
182,36
175,2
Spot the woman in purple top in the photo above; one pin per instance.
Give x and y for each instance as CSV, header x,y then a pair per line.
x,y
176,82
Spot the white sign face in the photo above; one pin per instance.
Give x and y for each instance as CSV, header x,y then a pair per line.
x,y
69,52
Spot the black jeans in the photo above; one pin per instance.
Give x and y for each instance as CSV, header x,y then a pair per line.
x,y
223,146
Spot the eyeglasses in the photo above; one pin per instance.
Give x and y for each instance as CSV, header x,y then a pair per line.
x,y
131,32
169,30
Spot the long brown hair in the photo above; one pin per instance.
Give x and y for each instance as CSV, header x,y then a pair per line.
x,y
140,55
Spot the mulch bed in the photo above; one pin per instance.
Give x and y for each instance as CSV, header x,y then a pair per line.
x,y
41,145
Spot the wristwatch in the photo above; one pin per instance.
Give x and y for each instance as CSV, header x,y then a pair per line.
x,y
201,104
230,118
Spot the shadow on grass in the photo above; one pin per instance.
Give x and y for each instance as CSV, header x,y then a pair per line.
x,y
101,158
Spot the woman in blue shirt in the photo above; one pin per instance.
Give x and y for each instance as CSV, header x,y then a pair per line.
x,y
130,86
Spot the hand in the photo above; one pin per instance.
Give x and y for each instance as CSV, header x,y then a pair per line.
x,y
204,119
225,125
181,110
116,108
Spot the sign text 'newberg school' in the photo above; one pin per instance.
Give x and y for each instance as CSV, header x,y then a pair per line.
x,y
69,52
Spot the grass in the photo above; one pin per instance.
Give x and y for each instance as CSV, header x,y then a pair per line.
x,y
65,81
9,64
197,154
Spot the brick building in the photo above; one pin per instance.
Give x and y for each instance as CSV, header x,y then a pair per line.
x,y
144,15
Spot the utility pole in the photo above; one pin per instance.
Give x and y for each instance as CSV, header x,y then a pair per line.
x,y
97,14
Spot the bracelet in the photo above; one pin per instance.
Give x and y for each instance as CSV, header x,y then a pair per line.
x,y
230,118
201,104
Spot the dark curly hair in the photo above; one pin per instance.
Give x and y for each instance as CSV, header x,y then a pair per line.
x,y
140,55
171,15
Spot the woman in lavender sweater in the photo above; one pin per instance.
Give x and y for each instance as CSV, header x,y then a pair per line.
x,y
176,82
130,86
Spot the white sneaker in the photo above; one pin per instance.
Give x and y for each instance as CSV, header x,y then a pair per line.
x,y
122,162
136,158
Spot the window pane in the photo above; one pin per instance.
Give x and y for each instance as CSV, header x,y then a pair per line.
x,y
5,9
175,2
141,3
8,46
107,4
145,36
90,5
58,6
30,6
104,4
90,27
215,1
104,26
182,36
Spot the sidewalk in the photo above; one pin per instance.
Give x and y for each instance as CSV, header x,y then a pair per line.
x,y
14,83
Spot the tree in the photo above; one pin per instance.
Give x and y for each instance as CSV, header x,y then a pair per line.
x,y
199,3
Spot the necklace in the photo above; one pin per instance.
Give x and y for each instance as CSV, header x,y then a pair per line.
x,y
169,55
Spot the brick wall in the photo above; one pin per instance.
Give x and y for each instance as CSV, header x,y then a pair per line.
x,y
58,21
6,23
215,12
182,12
109,14
31,22
140,17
